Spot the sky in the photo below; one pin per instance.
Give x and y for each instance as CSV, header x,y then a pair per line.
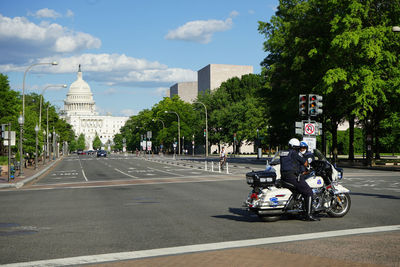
x,y
130,51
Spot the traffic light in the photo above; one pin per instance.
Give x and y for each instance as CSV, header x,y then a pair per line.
x,y
303,105
314,105
205,132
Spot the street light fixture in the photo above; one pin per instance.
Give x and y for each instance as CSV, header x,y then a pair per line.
x,y
179,130
21,126
206,126
41,99
36,145
396,29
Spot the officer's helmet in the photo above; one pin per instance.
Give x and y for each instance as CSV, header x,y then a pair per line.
x,y
294,143
303,145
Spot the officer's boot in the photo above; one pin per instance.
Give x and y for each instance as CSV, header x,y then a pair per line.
x,y
308,206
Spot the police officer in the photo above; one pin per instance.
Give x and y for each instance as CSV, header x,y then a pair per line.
x,y
292,164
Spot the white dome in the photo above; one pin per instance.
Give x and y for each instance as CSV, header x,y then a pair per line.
x,y
79,98
79,86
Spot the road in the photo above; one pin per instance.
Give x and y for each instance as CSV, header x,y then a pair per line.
x,y
88,206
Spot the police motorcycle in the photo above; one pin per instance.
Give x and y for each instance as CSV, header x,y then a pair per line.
x,y
270,200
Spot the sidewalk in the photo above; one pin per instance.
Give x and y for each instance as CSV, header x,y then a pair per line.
x,y
29,174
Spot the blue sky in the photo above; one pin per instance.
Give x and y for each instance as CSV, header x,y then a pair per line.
x,y
131,51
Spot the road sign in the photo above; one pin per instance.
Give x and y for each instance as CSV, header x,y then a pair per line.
x,y
148,145
309,128
5,142
311,142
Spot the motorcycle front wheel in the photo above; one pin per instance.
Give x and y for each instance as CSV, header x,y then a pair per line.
x,y
340,205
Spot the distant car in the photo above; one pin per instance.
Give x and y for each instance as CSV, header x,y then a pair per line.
x,y
101,153
81,152
90,152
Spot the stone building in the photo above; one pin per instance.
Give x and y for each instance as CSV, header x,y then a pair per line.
x,y
80,111
213,75
187,91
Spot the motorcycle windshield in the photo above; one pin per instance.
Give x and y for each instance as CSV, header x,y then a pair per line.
x,y
275,159
319,156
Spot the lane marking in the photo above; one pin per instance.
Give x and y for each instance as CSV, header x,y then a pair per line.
x,y
125,173
123,256
83,172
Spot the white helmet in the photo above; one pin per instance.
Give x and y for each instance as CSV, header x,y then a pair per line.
x,y
294,143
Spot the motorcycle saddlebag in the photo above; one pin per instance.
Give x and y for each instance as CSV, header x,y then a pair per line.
x,y
261,178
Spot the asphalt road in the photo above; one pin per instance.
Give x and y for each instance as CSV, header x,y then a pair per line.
x,y
87,206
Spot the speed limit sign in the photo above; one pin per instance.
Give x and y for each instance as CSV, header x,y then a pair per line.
x,y
309,128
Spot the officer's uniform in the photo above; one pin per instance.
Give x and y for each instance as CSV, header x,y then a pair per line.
x,y
291,167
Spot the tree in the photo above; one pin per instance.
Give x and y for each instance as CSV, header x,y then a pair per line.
x,y
81,142
10,106
343,50
96,142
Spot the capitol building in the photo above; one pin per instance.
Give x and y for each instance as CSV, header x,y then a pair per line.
x,y
80,111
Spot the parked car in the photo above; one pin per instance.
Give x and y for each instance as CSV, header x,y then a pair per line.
x,y
81,152
101,153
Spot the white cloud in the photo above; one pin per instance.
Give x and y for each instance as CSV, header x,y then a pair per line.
x,y
200,31
128,112
69,13
21,40
162,91
233,14
45,13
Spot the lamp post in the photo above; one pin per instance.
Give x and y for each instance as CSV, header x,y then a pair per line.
x,y
396,29
54,144
205,108
21,157
21,172
48,134
54,63
179,130
36,145
44,146
41,99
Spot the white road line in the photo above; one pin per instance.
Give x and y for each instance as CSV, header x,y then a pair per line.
x,y
83,172
126,174
123,256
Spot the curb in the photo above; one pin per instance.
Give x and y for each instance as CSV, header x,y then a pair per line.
x,y
27,180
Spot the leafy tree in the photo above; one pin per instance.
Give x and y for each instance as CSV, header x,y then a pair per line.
x,y
10,107
96,142
343,50
81,142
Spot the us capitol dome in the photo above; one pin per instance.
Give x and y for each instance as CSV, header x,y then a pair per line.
x,y
80,111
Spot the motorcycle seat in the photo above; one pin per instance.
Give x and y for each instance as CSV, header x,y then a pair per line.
x,y
289,186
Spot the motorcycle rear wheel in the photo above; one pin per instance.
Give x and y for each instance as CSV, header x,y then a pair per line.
x,y
266,218
338,210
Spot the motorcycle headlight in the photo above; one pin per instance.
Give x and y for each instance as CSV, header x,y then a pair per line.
x,y
340,175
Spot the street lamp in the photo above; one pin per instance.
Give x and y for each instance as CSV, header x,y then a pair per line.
x,y
206,126
54,63
41,99
44,147
21,126
36,146
396,29
179,130
54,144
